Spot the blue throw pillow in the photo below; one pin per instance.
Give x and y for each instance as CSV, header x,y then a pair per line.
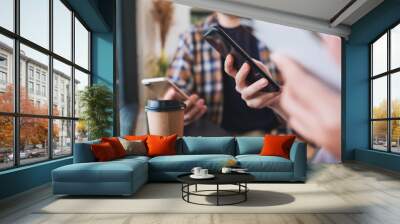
x,y
249,145
208,145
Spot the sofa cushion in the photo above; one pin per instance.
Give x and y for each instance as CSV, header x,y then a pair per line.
x,y
277,145
208,145
113,171
257,163
116,145
185,163
161,145
103,152
249,145
134,147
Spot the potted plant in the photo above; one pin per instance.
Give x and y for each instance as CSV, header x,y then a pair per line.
x,y
96,103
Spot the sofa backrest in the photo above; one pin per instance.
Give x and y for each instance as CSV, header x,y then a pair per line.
x,y
207,145
83,152
192,146
249,145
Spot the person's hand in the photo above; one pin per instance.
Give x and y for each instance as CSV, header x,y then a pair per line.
x,y
252,94
195,106
313,109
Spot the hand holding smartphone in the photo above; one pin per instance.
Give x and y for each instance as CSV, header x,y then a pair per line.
x,y
221,42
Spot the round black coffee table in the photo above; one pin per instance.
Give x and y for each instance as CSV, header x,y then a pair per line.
x,y
238,179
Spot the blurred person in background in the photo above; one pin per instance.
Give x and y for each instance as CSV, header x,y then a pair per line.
x,y
198,70
310,106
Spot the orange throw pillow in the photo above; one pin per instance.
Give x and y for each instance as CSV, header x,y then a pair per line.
x,y
277,145
116,145
103,152
161,145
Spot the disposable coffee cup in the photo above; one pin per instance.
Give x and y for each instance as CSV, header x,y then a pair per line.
x,y
165,117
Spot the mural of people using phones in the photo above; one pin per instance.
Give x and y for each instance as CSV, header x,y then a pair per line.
x,y
214,106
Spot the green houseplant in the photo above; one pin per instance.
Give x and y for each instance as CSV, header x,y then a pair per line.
x,y
96,103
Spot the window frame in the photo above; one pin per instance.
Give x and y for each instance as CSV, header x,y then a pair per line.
x,y
16,115
388,74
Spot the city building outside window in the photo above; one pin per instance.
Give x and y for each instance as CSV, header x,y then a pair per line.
x,y
30,87
30,72
3,78
3,61
52,134
38,89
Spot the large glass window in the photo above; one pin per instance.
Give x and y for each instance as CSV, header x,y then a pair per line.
x,y
385,94
41,123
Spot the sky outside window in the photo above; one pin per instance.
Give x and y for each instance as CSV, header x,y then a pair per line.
x,y
81,45
35,21
379,56
395,47
62,29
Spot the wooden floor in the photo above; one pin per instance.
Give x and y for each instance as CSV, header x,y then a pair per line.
x,y
379,189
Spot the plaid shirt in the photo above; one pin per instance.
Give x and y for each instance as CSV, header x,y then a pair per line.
x,y
196,68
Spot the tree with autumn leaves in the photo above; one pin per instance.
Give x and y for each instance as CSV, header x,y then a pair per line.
x,y
380,127
33,131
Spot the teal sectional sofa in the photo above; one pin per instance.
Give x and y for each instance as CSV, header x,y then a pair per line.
x,y
125,176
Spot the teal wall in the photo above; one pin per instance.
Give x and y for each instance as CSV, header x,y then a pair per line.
x,y
98,15
102,58
102,61
356,85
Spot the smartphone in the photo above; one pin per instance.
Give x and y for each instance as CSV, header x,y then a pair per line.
x,y
159,86
221,42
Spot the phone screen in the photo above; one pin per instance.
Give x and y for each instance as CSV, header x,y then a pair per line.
x,y
225,45
224,48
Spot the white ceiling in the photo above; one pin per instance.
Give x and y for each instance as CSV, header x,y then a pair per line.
x,y
315,15
321,9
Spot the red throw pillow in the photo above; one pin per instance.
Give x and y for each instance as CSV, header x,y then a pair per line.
x,y
277,145
103,152
116,145
161,145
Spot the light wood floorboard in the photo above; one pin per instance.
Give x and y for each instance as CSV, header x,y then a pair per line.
x,y
378,189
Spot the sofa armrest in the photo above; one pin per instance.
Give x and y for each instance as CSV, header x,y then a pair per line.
x,y
298,155
83,152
